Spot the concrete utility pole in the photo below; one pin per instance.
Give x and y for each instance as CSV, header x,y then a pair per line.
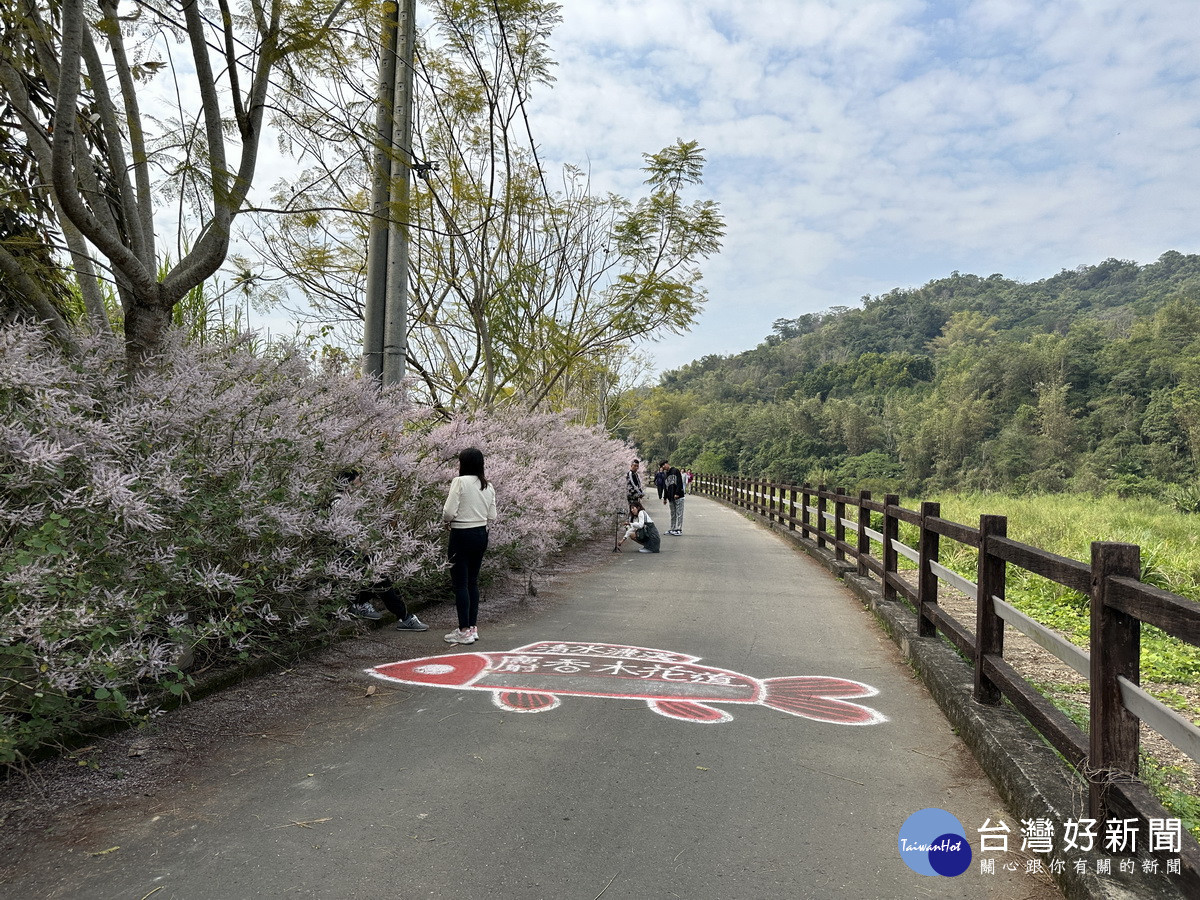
x,y
381,181
385,332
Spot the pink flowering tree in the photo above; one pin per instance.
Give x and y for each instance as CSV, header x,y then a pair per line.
x,y
154,527
555,482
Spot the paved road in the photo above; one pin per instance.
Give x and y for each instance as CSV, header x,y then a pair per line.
x,y
438,792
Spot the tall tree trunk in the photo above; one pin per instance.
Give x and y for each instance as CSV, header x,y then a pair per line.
x,y
146,327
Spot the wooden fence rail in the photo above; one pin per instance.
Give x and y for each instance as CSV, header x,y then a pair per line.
x,y
1108,752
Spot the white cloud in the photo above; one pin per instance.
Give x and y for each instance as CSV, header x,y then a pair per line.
x,y
849,140
859,145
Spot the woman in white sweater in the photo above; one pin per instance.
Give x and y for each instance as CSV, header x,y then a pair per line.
x,y
469,509
642,529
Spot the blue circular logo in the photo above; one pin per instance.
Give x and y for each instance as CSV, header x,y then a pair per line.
x,y
933,842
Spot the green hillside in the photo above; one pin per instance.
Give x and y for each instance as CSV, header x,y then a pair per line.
x,y
1088,380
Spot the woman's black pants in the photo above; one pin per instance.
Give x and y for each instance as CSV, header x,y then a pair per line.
x,y
467,546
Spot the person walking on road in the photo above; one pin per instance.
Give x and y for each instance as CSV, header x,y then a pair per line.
x,y
642,529
469,509
659,483
673,496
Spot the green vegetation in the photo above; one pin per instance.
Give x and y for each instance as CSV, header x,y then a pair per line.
x,y
1066,525
1174,791
1070,405
1088,381
1172,785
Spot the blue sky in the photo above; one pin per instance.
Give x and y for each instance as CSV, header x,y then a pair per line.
x,y
857,146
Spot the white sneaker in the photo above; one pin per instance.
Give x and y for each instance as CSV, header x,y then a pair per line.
x,y
462,636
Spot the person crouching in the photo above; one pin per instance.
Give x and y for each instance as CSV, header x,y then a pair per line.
x,y
641,529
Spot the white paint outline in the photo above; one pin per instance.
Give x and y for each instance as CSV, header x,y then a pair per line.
x,y
500,704
798,695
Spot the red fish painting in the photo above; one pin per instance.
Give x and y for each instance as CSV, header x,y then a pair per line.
x,y
535,677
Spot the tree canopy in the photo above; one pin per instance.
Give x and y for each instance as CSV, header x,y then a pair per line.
x,y
526,286
74,79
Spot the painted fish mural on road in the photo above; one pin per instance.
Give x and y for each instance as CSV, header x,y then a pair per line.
x,y
535,677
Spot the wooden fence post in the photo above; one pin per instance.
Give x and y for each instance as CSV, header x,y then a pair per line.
x,y
1116,651
891,533
927,580
805,503
864,540
772,494
989,627
821,504
839,524
791,508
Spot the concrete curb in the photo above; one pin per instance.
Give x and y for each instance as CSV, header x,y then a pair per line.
x,y
1031,777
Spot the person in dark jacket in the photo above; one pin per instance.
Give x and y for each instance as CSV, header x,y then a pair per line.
x,y
659,481
633,483
673,496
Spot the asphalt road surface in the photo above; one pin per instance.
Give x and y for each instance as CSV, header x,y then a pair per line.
x,y
435,790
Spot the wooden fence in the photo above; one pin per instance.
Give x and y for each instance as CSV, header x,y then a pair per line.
x,y
851,527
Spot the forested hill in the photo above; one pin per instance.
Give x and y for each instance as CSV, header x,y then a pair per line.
x,y
1089,379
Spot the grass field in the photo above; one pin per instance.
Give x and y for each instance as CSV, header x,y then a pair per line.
x,y
1067,525
1170,558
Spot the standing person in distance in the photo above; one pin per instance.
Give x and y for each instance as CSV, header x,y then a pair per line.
x,y
673,496
659,483
469,509
633,483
